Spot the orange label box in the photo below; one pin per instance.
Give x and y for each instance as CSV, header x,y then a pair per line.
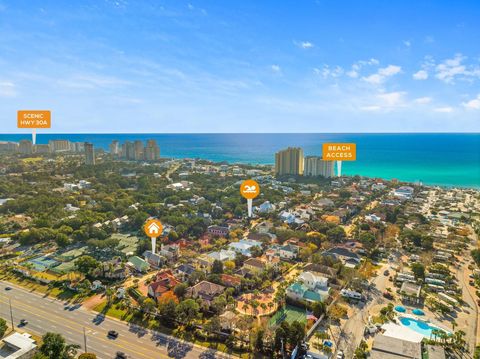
x,y
34,119
339,151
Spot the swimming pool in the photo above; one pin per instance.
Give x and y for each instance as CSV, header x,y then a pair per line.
x,y
419,326
400,309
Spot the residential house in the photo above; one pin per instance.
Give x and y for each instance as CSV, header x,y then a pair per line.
x,y
220,231
255,265
154,259
244,246
184,271
222,255
309,287
231,281
206,291
266,207
114,269
286,251
170,251
164,281
349,258
322,270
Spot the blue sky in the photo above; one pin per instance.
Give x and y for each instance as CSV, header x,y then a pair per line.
x,y
242,66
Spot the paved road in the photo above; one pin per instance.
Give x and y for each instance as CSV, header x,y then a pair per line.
x,y
353,329
45,314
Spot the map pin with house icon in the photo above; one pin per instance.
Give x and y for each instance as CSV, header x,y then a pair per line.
x,y
153,228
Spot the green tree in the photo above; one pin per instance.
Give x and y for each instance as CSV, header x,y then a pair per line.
x,y
167,312
418,270
318,309
217,267
187,311
476,256
62,240
476,354
87,356
86,264
54,346
3,327
296,333
180,290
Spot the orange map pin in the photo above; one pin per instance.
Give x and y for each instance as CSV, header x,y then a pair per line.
x,y
249,189
153,228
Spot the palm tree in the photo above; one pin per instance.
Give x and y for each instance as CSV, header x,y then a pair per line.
x,y
109,295
264,307
270,305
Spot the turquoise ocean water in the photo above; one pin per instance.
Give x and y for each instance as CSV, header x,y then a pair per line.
x,y
434,159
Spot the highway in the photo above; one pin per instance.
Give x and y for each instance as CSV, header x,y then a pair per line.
x,y
45,314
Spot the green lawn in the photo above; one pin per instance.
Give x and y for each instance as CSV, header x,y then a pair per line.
x,y
60,293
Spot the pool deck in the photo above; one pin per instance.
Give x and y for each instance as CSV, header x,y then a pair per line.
x,y
401,332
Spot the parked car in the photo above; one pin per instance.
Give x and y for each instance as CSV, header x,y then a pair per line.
x,y
387,272
340,354
387,295
112,334
121,355
8,288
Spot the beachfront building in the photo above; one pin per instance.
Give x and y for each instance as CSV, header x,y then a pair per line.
x,y
89,154
316,166
289,161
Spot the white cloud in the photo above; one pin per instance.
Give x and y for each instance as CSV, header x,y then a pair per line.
x,y
446,109
275,68
326,71
305,44
370,108
386,101
382,74
357,66
352,73
407,43
420,75
7,89
392,99
423,100
450,68
472,104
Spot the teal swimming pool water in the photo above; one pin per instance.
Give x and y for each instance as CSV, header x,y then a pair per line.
x,y
400,309
418,326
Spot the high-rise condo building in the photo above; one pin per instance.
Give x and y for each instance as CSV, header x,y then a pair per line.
x,y
89,154
138,152
128,150
115,148
316,166
60,145
78,146
25,147
289,161
8,146
152,151
42,148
